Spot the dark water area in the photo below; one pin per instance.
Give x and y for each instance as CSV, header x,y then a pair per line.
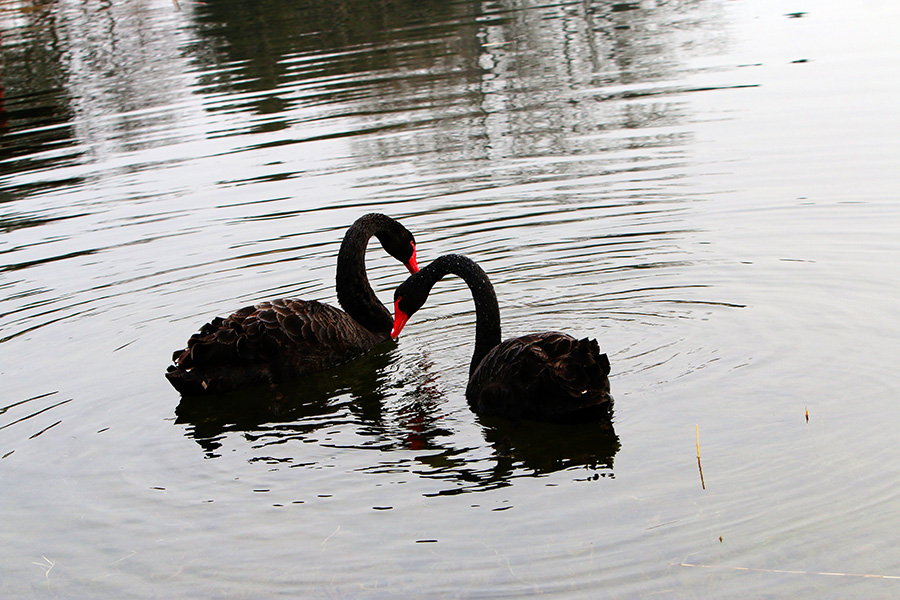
x,y
709,188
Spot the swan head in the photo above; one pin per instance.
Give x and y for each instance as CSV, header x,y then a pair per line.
x,y
409,297
400,244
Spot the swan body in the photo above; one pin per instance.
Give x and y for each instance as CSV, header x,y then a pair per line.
x,y
288,338
547,376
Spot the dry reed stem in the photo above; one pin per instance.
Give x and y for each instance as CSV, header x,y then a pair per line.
x,y
699,466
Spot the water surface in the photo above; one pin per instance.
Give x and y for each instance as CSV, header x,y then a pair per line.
x,y
708,188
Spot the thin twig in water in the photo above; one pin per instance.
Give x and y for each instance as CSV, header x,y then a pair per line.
x,y
333,533
115,562
788,571
699,466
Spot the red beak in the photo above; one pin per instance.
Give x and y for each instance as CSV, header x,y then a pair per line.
x,y
411,264
400,319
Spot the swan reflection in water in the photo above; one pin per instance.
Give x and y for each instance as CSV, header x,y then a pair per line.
x,y
351,393
403,413
525,449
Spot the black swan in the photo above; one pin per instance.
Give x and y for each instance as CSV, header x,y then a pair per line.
x,y
283,339
543,376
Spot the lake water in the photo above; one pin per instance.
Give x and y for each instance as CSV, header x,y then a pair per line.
x,y
709,188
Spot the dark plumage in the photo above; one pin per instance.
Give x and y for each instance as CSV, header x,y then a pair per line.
x,y
284,339
542,376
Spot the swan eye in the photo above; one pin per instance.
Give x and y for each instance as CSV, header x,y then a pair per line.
x,y
397,309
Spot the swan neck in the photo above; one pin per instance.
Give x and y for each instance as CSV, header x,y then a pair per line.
x,y
354,292
487,311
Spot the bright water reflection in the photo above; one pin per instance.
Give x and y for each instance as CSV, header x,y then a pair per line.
x,y
707,187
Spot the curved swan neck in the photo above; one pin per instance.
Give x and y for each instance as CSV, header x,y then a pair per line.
x,y
487,311
354,293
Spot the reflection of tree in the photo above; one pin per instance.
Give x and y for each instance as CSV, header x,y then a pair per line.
x,y
341,48
36,121
471,80
126,74
466,81
571,82
553,77
90,79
